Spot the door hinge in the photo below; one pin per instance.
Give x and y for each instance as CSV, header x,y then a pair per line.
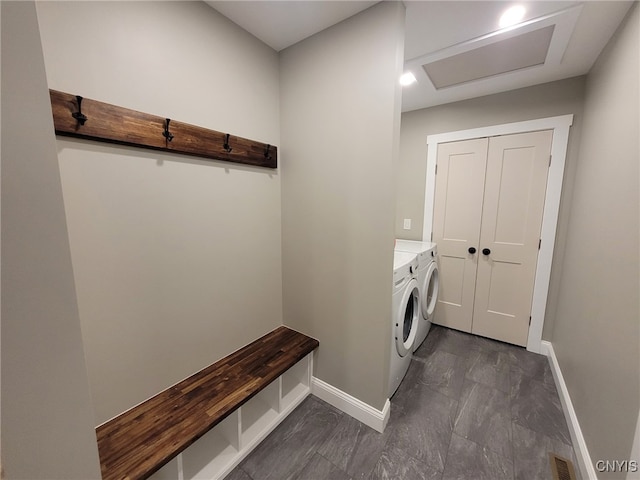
x,y
436,169
529,320
550,157
431,238
539,244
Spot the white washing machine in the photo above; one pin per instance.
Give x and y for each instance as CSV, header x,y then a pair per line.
x,y
428,282
405,316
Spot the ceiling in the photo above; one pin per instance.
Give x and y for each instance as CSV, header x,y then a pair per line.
x,y
456,45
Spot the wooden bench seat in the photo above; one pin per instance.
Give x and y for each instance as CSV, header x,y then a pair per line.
x,y
140,441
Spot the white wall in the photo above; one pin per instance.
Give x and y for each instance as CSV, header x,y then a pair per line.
x,y
47,419
597,332
340,126
177,260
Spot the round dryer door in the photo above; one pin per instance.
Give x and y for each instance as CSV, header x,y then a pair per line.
x,y
430,293
406,326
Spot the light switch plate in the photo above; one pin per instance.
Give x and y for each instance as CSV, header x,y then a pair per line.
x,y
407,224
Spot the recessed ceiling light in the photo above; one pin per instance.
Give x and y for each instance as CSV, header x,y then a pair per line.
x,y
511,16
407,79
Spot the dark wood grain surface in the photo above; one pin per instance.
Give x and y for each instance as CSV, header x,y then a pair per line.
x,y
113,124
140,441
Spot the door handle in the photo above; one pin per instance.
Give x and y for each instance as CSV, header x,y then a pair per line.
x,y
486,251
472,250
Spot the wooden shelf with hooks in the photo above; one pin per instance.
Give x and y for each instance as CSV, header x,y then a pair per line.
x,y
112,124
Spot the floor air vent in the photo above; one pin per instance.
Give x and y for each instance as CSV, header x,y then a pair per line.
x,y
561,468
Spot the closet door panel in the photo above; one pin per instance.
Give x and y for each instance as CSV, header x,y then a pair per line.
x,y
457,213
515,186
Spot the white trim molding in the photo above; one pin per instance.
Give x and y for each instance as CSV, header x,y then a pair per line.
x,y
374,418
579,445
560,126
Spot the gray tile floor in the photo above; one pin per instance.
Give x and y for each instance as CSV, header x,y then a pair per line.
x,y
469,408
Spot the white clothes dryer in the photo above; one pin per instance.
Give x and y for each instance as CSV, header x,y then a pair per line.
x,y
405,316
428,282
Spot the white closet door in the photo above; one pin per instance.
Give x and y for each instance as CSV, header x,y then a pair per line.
x,y
514,195
457,214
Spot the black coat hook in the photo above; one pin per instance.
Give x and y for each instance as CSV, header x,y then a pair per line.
x,y
167,134
266,152
226,146
79,116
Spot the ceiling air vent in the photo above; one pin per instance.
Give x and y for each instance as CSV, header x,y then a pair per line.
x,y
508,55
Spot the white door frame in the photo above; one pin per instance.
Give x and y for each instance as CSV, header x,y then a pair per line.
x,y
560,126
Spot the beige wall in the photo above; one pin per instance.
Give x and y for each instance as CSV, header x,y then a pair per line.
x,y
340,120
177,260
596,334
546,100
1,468
47,419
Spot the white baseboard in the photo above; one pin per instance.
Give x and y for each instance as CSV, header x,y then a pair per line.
x,y
376,419
579,445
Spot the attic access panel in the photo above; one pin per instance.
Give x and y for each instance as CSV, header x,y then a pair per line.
x,y
515,53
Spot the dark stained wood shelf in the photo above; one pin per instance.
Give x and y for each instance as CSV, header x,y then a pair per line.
x,y
140,441
104,122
